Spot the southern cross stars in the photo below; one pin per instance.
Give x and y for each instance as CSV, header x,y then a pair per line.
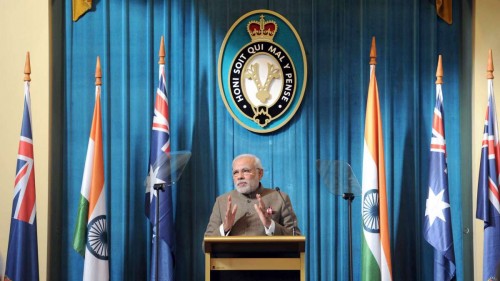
x,y
435,206
151,180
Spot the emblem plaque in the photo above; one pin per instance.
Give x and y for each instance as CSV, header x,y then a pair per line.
x,y
262,71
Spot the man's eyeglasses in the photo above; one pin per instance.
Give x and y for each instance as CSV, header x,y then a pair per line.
x,y
246,172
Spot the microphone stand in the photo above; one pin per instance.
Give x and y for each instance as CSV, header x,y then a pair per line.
x,y
158,187
170,167
340,180
349,196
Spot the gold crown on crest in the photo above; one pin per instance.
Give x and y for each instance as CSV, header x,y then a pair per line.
x,y
262,30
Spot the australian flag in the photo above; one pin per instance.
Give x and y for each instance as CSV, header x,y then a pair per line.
x,y
488,207
437,226
22,253
163,253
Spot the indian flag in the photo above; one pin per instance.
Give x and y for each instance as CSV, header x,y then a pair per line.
x,y
376,250
91,236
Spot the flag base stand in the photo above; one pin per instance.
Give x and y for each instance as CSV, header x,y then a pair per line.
x,y
340,180
170,167
157,187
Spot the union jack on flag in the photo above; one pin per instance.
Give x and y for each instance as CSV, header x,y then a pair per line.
x,y
160,147
24,198
488,206
22,254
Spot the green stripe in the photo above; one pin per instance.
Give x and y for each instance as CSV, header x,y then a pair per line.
x,y
370,269
80,236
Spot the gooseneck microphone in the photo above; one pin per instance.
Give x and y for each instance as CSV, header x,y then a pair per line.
x,y
289,210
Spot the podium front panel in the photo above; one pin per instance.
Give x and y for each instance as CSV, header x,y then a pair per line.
x,y
260,275
255,258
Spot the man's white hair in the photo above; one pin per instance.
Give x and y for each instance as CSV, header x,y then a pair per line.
x,y
256,159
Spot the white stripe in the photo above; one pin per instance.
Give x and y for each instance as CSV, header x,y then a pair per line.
x,y
159,118
494,201
439,141
370,173
33,214
437,112
94,268
25,139
22,183
87,172
437,134
28,101
370,181
384,269
493,110
19,189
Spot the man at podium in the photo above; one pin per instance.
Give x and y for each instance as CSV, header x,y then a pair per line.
x,y
251,209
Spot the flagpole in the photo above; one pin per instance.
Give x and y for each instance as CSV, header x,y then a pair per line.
x,y
159,186
376,248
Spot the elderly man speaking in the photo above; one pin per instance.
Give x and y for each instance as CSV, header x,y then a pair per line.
x,y
251,209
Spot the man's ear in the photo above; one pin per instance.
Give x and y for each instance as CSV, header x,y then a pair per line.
x,y
261,173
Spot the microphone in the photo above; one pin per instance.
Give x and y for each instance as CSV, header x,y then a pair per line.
x,y
289,210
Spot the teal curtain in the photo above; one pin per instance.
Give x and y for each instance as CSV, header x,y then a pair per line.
x,y
329,124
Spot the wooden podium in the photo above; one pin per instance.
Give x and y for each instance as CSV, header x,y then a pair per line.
x,y
252,257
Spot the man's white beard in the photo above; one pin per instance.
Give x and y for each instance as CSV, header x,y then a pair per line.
x,y
246,189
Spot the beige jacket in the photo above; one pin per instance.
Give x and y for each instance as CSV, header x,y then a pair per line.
x,y
247,222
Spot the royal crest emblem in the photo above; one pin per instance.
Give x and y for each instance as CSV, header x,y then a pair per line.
x,y
262,82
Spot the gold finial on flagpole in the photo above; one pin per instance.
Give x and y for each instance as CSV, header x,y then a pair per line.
x,y
490,68
373,52
98,72
439,71
161,53
27,68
